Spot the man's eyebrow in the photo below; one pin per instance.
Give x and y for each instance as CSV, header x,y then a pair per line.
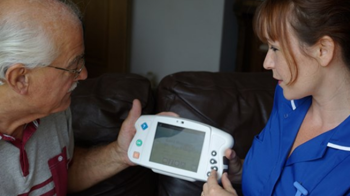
x,y
76,59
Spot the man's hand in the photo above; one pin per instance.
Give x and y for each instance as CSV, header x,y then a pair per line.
x,y
212,188
91,166
128,131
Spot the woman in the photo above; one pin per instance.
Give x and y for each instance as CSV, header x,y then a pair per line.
x,y
305,147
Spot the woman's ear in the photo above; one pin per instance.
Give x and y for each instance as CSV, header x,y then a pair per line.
x,y
325,50
16,78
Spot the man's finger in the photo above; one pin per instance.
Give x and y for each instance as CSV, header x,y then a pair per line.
x,y
135,111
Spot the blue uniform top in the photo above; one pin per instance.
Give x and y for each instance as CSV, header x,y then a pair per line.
x,y
319,167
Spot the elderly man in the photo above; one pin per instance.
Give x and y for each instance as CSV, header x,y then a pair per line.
x,y
41,61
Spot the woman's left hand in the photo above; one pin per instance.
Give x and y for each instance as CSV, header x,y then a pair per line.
x,y
212,188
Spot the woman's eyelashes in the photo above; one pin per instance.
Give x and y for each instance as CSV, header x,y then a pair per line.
x,y
273,48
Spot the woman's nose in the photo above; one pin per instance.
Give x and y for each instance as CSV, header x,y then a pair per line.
x,y
268,62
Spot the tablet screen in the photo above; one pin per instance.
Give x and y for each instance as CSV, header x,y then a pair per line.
x,y
177,147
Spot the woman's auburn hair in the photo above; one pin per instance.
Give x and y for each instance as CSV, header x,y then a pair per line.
x,y
310,21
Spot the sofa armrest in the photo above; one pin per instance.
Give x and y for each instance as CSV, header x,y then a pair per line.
x,y
238,103
100,105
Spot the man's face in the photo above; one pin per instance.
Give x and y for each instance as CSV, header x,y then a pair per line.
x,y
52,87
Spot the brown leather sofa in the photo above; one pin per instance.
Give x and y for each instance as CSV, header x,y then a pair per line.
x,y
238,103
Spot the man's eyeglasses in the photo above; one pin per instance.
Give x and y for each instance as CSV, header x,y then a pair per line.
x,y
76,72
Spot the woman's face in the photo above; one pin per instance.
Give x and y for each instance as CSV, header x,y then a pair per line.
x,y
307,77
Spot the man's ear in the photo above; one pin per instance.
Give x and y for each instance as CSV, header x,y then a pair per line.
x,y
17,79
325,50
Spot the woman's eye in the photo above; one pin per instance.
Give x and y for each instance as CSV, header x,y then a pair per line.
x,y
273,48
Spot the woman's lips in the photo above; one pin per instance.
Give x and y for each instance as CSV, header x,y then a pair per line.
x,y
278,80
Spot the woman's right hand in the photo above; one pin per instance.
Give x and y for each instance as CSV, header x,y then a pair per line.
x,y
212,188
235,166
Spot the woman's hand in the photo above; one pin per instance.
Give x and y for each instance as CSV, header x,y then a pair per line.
x,y
235,166
212,188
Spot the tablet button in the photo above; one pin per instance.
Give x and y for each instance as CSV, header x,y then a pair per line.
x,y
144,126
139,143
213,161
136,155
226,164
214,153
214,168
208,174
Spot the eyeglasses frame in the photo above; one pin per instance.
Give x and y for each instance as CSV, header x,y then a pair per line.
x,y
73,71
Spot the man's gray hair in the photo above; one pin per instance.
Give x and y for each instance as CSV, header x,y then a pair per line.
x,y
25,43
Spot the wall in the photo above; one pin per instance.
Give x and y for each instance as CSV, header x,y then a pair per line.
x,y
177,35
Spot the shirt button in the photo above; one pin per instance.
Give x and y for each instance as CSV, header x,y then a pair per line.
x,y
285,115
60,158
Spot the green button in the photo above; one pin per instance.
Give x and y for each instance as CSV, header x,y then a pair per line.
x,y
139,142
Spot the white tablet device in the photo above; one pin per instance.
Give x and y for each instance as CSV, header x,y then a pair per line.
x,y
179,147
